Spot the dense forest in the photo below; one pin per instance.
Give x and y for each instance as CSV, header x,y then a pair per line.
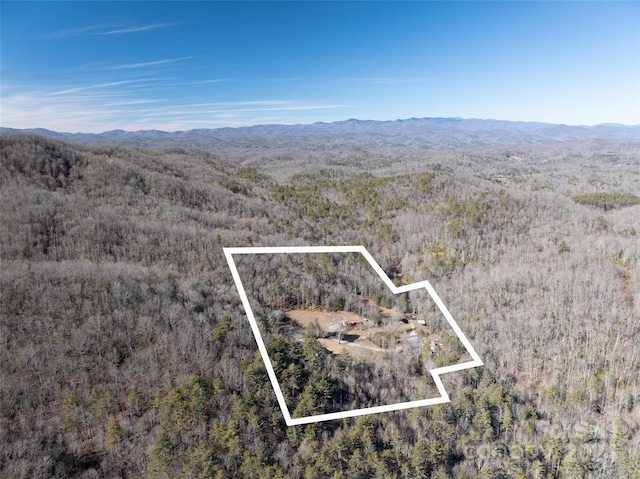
x,y
125,350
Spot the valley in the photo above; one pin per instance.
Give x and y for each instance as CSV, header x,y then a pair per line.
x,y
125,350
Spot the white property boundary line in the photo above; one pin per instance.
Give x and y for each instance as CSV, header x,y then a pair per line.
x,y
435,373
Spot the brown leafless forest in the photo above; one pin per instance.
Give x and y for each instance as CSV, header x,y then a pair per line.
x,y
125,351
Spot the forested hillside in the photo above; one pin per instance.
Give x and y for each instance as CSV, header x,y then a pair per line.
x,y
125,350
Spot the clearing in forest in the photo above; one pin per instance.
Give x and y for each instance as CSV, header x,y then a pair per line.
x,y
308,303
343,331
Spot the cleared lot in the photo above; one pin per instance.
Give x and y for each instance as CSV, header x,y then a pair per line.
x,y
359,335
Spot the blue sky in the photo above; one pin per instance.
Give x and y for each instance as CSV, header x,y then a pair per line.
x,y
96,66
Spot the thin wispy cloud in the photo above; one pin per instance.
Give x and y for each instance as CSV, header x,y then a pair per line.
x,y
93,87
134,29
304,107
108,29
88,30
202,82
149,64
389,81
241,103
173,82
387,64
112,105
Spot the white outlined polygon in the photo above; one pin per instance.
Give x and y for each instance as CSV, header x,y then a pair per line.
x,y
435,373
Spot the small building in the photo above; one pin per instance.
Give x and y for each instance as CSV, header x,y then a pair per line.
x,y
350,323
500,178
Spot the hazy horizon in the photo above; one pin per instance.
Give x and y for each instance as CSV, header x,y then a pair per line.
x,y
176,66
363,120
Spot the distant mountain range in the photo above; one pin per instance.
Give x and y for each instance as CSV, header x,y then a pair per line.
x,y
413,132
